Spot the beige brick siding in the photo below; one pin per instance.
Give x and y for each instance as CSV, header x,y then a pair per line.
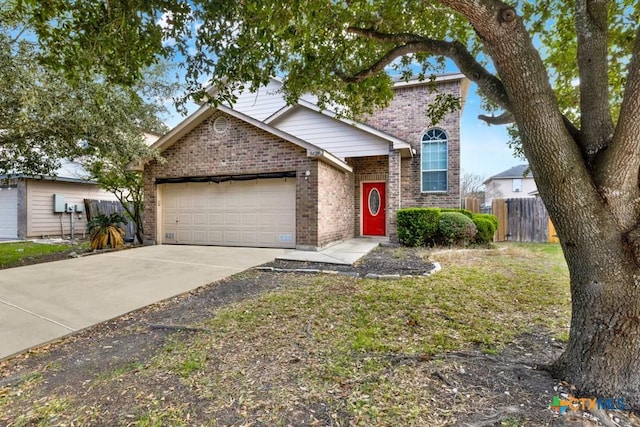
x,y
406,118
243,149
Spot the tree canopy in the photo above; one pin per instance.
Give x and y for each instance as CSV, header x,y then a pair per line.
x,y
45,117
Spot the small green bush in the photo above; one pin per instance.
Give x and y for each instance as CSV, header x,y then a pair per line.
x,y
464,212
492,218
417,226
455,228
485,230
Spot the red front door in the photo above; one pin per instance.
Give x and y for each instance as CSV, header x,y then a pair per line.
x,y
374,204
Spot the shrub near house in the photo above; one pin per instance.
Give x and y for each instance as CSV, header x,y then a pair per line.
x,y
429,226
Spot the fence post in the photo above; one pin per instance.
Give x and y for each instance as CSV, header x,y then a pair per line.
x,y
499,209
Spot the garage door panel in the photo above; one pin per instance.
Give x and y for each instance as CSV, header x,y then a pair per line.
x,y
240,213
9,213
184,236
171,203
232,237
250,219
216,219
215,203
266,219
200,203
285,219
200,237
232,219
249,238
215,236
200,219
184,219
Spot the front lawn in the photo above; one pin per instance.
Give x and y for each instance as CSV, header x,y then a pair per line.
x,y
459,346
19,253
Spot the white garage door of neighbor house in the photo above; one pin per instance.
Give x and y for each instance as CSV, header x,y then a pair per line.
x,y
8,213
257,213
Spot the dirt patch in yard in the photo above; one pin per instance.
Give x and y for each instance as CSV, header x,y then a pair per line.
x,y
103,368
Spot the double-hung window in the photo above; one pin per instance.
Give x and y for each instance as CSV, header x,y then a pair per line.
x,y
434,161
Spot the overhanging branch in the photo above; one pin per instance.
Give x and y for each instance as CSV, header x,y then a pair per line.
x,y
407,43
502,119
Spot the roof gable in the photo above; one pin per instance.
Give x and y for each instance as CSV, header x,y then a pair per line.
x,y
206,111
514,172
342,137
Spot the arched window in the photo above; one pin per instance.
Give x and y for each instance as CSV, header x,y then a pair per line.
x,y
434,161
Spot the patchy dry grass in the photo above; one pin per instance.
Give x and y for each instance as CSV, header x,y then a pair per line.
x,y
14,252
331,350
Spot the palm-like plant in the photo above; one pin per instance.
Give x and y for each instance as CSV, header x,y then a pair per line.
x,y
106,231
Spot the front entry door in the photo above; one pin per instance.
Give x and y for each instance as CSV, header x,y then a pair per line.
x,y
374,219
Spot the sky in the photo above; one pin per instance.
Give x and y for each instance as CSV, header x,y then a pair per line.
x,y
483,148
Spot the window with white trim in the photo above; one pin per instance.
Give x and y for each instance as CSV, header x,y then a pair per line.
x,y
434,161
516,185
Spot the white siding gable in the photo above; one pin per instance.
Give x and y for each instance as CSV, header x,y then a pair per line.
x,y
340,139
262,104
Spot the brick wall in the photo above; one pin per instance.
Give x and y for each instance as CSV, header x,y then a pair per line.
x,y
243,149
406,118
335,204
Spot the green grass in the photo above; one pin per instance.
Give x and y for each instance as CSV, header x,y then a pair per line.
x,y
364,349
12,253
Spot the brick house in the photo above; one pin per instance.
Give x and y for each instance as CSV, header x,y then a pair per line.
x,y
266,174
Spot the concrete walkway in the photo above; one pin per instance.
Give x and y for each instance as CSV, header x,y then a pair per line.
x,y
345,253
43,302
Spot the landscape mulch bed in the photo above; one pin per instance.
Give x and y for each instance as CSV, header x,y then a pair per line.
x,y
490,381
383,261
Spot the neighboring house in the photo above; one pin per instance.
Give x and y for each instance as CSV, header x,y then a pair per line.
x,y
28,204
510,184
266,174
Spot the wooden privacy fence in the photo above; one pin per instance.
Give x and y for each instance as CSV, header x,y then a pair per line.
x,y
472,204
107,207
523,220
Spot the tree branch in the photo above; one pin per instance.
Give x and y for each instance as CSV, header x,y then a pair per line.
x,y
503,119
489,85
620,164
407,43
596,123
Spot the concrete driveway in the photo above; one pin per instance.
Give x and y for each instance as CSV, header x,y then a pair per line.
x,y
42,302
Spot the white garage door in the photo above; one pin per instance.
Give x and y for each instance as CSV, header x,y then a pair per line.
x,y
258,213
8,213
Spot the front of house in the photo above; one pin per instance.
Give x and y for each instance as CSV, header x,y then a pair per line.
x,y
266,174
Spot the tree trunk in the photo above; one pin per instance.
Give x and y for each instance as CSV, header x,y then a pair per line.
x,y
139,224
602,358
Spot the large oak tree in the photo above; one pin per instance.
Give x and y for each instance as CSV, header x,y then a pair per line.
x,y
566,74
